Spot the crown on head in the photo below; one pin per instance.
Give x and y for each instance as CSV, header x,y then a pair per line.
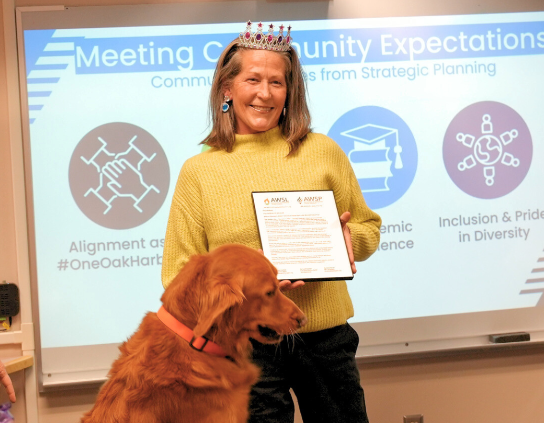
x,y
268,41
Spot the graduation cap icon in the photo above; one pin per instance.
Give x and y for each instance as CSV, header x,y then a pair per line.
x,y
369,157
369,134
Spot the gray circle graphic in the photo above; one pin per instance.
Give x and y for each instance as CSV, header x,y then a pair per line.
x,y
119,175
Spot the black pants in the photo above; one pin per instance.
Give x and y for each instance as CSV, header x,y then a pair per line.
x,y
320,367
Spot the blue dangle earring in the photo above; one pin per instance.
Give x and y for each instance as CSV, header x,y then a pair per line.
x,y
225,105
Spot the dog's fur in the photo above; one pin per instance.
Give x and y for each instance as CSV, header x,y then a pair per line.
x,y
229,296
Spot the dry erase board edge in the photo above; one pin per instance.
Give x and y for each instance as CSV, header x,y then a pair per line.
x,y
444,347
72,379
80,365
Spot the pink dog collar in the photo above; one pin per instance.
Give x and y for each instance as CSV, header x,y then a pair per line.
x,y
200,344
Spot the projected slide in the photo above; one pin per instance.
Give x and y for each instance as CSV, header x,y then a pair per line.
x,y
442,119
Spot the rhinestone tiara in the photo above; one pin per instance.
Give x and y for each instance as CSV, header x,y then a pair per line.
x,y
269,41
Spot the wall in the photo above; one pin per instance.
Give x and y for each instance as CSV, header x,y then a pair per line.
x,y
474,388
8,259
505,386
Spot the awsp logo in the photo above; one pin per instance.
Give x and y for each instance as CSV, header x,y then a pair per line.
x,y
119,175
382,152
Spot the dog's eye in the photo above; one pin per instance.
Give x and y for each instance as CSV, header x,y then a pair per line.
x,y
271,293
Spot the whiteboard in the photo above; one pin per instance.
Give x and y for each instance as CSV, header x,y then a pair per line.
x,y
439,115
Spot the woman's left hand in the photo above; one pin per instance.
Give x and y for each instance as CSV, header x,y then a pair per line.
x,y
344,219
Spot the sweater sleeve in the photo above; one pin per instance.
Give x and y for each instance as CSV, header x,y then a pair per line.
x,y
185,234
364,224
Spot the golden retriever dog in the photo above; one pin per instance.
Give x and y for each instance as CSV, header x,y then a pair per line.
x,y
222,299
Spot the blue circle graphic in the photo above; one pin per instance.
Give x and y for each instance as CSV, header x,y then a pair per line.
x,y
382,151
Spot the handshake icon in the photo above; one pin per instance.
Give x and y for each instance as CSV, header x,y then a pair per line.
x,y
120,175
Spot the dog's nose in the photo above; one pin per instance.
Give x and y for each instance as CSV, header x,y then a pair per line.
x,y
302,321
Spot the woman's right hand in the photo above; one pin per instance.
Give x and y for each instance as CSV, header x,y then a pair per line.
x,y
286,285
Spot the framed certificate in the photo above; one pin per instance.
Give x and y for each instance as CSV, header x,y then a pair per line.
x,y
301,235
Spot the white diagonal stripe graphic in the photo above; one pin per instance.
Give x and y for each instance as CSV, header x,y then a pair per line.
x,y
59,47
55,60
45,73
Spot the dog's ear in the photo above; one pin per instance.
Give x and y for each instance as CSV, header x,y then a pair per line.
x,y
221,294
181,297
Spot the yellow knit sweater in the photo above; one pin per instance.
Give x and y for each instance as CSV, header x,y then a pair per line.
x,y
212,206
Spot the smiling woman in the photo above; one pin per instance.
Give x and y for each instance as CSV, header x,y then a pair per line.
x,y
240,66
261,141
258,92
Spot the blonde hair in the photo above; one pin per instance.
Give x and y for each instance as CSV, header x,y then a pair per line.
x,y
294,126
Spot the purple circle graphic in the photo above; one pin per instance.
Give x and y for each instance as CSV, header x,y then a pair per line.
x,y
487,149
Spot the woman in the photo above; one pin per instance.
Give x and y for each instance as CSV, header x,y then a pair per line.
x,y
261,141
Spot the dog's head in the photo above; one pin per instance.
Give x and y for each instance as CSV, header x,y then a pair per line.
x,y
230,295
